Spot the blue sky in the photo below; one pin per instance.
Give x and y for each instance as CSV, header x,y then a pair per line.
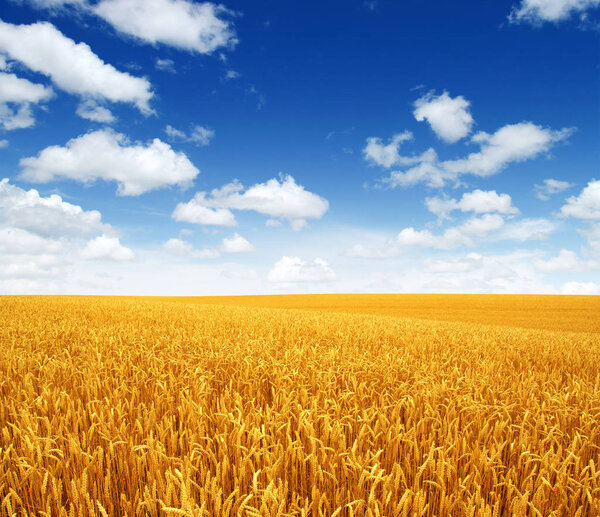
x,y
187,148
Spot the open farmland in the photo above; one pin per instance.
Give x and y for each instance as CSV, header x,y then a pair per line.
x,y
141,406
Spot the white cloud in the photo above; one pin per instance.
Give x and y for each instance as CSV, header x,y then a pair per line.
x,y
501,273
183,248
537,12
481,202
199,135
16,241
422,238
56,4
107,155
588,288
586,205
19,90
478,201
566,260
20,118
237,244
293,269
281,199
177,247
592,234
480,226
428,170
3,144
509,144
449,117
175,133
22,93
528,230
386,155
478,273
73,67
195,211
165,65
489,227
45,216
452,238
91,110
196,27
106,248
550,187
39,238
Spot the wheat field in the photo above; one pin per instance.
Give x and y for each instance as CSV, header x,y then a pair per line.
x,y
256,407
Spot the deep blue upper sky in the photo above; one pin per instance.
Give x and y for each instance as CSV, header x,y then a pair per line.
x,y
298,89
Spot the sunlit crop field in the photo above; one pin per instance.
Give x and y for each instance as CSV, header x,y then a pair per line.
x,y
356,407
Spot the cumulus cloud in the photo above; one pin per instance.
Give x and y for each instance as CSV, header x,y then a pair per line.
x,y
586,205
290,270
19,90
72,67
39,237
489,227
43,238
535,229
199,135
449,117
550,187
478,201
592,234
237,244
16,96
107,155
537,12
387,155
588,288
191,26
566,260
91,110
183,248
105,247
452,238
279,198
19,118
46,216
510,144
195,211
16,241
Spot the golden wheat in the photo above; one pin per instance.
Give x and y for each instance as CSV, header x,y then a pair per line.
x,y
145,407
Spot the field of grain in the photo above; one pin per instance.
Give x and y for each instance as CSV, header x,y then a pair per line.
x,y
125,406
